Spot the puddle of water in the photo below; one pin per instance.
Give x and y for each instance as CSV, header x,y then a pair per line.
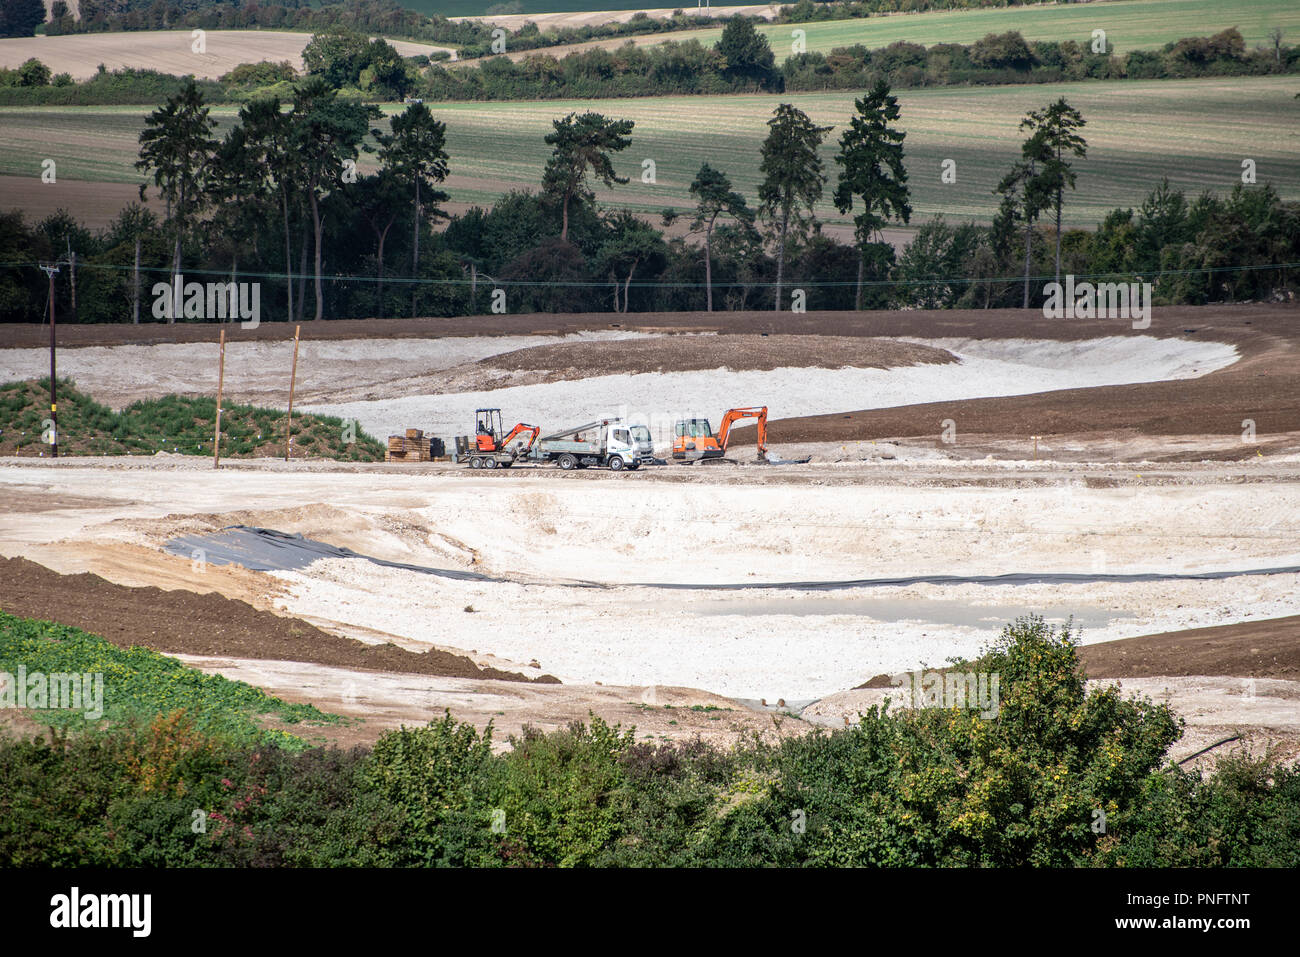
x,y
925,611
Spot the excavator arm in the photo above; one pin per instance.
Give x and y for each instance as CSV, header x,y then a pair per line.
x,y
733,416
521,429
531,431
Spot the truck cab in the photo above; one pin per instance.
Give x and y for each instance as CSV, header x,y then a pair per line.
x,y
632,441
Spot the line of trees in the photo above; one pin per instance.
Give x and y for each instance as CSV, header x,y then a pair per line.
x,y
689,67
281,196
742,61
390,18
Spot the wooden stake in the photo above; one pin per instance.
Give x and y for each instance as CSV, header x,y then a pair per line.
x,y
221,382
293,378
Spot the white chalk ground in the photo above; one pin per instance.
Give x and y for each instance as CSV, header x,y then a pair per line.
x,y
986,368
801,645
540,527
547,525
119,375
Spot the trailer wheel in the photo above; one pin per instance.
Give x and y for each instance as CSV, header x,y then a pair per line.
x,y
489,463
476,463
568,462
615,463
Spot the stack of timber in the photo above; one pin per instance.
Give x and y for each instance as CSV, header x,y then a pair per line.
x,y
411,447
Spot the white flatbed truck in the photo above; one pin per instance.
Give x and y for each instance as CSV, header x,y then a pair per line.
x,y
608,443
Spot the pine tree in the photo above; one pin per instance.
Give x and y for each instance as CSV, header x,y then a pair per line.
x,y
871,157
793,177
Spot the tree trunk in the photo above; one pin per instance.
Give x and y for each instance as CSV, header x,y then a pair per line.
x,y
176,275
302,275
613,281
234,295
857,294
415,247
382,237
473,286
708,265
780,259
135,284
626,285
288,257
1059,200
564,229
1029,238
176,262
316,228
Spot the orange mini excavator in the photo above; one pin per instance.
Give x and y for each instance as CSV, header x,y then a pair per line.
x,y
492,449
694,441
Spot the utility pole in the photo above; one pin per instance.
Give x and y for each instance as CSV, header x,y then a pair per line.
x,y
51,269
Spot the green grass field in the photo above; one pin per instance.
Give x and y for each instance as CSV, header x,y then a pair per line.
x,y
1196,132
1129,25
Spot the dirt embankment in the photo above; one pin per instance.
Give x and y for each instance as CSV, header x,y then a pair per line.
x,y
1247,326
570,361
185,622
1249,649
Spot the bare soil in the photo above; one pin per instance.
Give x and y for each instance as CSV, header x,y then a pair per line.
x,y
677,354
566,361
1249,649
208,624
168,51
97,203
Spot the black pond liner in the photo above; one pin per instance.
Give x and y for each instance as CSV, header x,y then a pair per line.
x,y
265,549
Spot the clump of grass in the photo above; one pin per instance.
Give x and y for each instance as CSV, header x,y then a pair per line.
x,y
168,424
139,684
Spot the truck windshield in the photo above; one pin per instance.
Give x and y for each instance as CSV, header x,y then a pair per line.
x,y
640,433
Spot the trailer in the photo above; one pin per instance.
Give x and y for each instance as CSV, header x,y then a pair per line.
x,y
492,447
608,443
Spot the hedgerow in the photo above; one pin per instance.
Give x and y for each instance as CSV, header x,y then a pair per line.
x,y
1055,775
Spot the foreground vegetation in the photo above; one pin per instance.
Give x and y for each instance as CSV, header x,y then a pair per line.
x,y
923,787
174,424
140,688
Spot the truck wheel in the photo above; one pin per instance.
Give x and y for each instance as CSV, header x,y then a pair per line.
x,y
615,463
568,462
476,463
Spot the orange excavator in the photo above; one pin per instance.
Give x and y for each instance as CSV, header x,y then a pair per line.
x,y
694,440
491,449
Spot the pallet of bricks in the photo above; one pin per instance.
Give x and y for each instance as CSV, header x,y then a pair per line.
x,y
411,447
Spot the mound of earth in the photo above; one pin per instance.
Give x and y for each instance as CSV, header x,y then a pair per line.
x,y
567,361
1269,648
185,622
